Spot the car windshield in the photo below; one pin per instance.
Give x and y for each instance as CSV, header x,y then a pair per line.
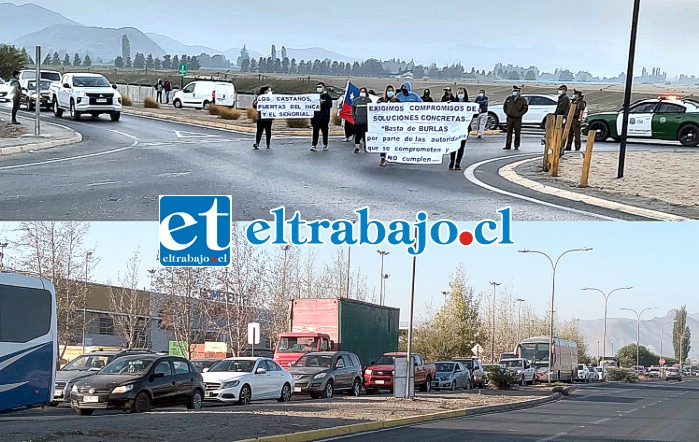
x,y
581,367
385,360
90,82
535,351
45,85
511,364
324,361
445,366
203,364
87,362
296,345
128,366
234,365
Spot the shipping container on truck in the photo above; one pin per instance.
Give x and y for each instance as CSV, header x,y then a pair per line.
x,y
365,329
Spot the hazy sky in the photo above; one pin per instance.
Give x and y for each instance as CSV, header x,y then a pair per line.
x,y
588,35
657,259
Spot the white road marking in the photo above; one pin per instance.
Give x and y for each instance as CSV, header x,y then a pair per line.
x,y
601,420
103,183
469,174
185,134
173,174
555,436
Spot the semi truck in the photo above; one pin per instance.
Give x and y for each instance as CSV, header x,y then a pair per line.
x,y
333,324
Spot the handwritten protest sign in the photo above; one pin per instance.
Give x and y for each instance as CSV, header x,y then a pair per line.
x,y
418,133
270,106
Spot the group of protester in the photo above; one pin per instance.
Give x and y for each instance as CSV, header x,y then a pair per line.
x,y
162,87
515,107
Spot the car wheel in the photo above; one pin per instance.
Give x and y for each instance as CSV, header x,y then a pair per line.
x,y
245,395
205,105
522,382
286,394
84,411
492,122
75,115
688,135
115,116
177,103
371,390
141,404
329,390
196,401
356,388
57,111
453,385
468,385
601,128
315,395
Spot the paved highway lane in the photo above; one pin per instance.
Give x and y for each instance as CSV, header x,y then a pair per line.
x,y
650,411
120,169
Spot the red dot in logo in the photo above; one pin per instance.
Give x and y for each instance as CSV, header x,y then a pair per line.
x,y
213,259
466,238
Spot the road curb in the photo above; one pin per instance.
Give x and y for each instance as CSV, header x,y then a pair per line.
x,y
345,430
508,172
76,138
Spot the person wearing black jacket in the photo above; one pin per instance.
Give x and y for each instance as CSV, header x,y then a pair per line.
x,y
263,125
426,96
515,107
448,97
321,118
455,163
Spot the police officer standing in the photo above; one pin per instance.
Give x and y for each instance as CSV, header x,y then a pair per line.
x,y
563,106
515,107
578,117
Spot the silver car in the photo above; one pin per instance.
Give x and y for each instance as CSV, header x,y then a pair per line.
x,y
451,375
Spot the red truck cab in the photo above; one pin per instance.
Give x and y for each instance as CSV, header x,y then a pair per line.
x,y
293,345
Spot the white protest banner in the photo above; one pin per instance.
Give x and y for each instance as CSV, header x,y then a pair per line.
x,y
418,133
271,106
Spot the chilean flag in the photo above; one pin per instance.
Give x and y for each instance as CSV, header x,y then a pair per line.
x,y
351,92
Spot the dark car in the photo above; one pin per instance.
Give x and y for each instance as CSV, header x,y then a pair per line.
x,y
82,367
136,383
203,364
30,96
321,373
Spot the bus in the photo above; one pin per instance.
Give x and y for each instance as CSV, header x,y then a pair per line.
x,y
564,364
28,341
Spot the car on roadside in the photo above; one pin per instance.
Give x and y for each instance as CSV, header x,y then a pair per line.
x,y
200,94
664,118
672,373
322,373
203,364
451,375
478,375
138,382
640,370
83,366
583,373
540,105
5,90
30,95
653,372
30,74
601,373
379,375
244,379
522,371
85,93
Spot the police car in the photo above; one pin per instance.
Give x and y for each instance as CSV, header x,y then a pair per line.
x,y
663,118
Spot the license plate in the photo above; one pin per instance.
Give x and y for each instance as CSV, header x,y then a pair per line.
x,y
91,399
209,393
101,100
379,382
297,389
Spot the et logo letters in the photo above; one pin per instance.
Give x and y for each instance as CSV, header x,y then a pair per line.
x,y
195,230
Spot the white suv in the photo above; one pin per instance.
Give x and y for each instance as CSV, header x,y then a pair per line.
x,y
83,93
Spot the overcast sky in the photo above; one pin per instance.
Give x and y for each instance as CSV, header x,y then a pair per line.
x,y
590,35
656,259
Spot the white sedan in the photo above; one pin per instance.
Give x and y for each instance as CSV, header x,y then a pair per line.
x,y
242,380
5,90
539,107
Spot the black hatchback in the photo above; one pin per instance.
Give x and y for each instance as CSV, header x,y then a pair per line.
x,y
138,382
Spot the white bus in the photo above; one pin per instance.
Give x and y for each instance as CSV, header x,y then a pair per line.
x,y
28,344
565,357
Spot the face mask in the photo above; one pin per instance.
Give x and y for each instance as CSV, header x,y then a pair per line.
x,y
319,90
560,93
481,95
390,94
362,94
269,92
405,91
461,96
514,93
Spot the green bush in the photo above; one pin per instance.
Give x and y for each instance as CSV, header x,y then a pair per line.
x,y
298,123
621,374
150,103
499,378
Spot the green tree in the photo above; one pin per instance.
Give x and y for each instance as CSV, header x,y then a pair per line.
x,y
87,61
125,47
157,64
128,63
139,62
27,59
66,60
194,64
245,65
175,62
55,59
531,76
627,356
10,59
47,60
149,61
77,61
119,62
681,335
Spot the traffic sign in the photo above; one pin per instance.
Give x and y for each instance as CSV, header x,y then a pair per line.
x,y
183,69
254,333
662,361
477,349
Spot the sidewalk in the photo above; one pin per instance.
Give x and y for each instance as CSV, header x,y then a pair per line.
x,y
51,135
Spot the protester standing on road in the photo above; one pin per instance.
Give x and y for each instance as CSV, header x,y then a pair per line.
x,y
578,117
159,91
346,125
515,107
406,93
321,118
448,97
482,119
389,96
455,163
167,87
359,115
16,95
426,96
263,125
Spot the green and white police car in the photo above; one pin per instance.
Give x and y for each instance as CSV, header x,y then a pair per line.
x,y
664,118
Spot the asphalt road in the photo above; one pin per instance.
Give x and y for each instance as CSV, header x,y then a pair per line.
x,y
650,411
119,169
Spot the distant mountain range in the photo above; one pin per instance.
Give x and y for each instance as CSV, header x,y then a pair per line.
x,y
56,33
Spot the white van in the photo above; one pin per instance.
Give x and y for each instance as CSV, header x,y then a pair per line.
x,y
200,94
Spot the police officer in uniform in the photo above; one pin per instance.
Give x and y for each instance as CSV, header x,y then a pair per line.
x,y
580,105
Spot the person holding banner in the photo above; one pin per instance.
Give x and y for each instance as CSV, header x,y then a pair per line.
x,y
389,96
359,115
456,157
515,107
448,97
321,118
426,96
406,93
263,125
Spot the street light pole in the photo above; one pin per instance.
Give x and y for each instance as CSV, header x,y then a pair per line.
x,y
492,338
553,292
409,356
383,287
606,300
2,253
381,294
638,325
519,319
87,260
627,90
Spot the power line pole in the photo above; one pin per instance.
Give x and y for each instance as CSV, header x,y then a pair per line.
x,y
492,339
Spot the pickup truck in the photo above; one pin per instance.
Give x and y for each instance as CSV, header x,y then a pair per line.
x,y
379,374
84,93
